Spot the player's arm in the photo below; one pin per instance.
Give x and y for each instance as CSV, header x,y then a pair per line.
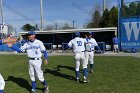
x,y
113,40
45,56
69,44
97,46
9,40
19,50
0,42
43,50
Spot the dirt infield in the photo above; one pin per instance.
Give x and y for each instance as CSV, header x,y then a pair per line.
x,y
103,54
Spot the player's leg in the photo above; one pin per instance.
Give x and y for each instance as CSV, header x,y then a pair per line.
x,y
32,75
84,64
87,57
117,47
2,84
39,73
77,65
114,48
91,61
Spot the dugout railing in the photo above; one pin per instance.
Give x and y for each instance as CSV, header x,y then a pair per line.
x,y
48,46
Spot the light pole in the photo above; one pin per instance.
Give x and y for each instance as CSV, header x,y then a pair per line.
x,y
1,12
73,24
41,15
104,6
2,19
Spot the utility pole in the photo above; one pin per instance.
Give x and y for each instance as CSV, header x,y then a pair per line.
x,y
103,5
2,18
41,15
73,24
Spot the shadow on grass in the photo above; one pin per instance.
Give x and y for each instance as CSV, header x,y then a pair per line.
x,y
56,72
67,67
21,82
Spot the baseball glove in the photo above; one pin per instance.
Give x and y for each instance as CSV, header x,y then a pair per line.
x,y
9,40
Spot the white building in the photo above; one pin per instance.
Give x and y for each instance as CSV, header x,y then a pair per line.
x,y
4,29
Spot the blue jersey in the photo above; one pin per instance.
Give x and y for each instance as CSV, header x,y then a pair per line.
x,y
115,41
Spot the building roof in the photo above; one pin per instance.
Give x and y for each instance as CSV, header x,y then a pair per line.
x,y
114,29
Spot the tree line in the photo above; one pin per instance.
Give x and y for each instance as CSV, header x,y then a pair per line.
x,y
109,18
130,10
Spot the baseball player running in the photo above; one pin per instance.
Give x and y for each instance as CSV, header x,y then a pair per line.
x,y
2,82
77,44
89,47
34,49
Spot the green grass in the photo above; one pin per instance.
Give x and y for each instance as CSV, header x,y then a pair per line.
x,y
111,75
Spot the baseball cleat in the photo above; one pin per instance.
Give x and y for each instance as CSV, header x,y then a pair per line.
x,y
32,91
46,90
77,80
91,70
85,80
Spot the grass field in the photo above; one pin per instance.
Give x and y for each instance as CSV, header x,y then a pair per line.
x,y
111,75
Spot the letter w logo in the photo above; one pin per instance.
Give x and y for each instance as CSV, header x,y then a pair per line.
x,y
132,26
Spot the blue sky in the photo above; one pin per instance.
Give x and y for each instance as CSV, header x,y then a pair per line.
x,y
20,12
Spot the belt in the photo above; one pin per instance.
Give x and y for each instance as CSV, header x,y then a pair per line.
x,y
79,52
34,58
89,51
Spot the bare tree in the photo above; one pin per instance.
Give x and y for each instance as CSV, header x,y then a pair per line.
x,y
49,27
95,17
66,26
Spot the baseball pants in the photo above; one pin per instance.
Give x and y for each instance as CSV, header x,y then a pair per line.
x,y
80,57
35,70
89,57
2,82
115,47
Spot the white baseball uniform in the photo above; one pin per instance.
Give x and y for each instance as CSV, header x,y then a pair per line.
x,y
2,82
78,48
89,47
34,52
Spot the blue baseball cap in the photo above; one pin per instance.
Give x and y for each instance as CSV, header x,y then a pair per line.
x,y
31,33
77,33
89,33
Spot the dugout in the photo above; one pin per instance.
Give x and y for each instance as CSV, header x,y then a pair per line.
x,y
58,39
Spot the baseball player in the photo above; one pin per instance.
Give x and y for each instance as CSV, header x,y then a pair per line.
x,y
34,49
89,47
115,44
77,44
2,82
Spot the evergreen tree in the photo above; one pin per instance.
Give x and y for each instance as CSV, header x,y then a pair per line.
x,y
27,27
132,9
138,9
